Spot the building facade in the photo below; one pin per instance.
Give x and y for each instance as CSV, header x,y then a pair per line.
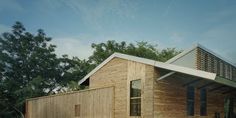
x,y
195,84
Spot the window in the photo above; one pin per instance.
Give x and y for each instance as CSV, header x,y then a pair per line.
x,y
190,101
203,102
77,110
135,98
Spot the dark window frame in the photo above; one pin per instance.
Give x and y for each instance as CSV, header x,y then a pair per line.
x,y
190,100
203,102
135,99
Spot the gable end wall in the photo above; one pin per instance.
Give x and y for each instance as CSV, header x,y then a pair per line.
x,y
118,73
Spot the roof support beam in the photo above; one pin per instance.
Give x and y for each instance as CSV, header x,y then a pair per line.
x,y
204,86
192,82
229,91
217,88
166,75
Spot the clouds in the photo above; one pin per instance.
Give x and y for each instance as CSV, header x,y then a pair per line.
x,y
78,23
4,28
10,5
168,8
97,13
221,39
72,47
177,37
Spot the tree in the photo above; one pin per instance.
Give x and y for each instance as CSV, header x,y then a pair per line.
x,y
78,71
28,68
140,49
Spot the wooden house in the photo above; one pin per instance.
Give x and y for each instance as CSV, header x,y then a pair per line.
x,y
197,83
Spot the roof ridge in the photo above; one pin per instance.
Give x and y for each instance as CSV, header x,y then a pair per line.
x,y
154,63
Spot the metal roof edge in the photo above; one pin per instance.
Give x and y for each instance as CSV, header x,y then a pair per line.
x,y
225,81
97,68
167,66
186,70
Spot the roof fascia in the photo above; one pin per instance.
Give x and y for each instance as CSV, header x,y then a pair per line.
x,y
176,68
225,81
97,68
186,70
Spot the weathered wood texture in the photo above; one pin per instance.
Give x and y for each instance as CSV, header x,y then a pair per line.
x,y
162,99
119,73
95,103
114,73
145,73
170,101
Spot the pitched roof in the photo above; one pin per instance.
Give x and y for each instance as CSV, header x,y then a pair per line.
x,y
175,68
202,47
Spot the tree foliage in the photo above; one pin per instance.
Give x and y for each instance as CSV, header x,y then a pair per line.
x,y
140,49
28,68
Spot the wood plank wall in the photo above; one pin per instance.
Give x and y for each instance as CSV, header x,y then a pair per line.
x,y
146,74
95,103
164,99
114,73
118,73
170,101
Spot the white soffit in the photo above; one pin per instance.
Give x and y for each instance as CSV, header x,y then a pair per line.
x,y
181,54
186,70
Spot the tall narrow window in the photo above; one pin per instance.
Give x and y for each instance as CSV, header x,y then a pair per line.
x,y
203,102
135,98
190,101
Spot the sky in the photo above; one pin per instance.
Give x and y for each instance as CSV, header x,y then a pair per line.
x,y
75,24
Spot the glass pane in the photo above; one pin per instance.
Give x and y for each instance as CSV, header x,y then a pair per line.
x,y
135,88
190,108
203,98
203,95
190,93
190,101
135,107
203,109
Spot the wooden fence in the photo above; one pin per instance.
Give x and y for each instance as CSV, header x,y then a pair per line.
x,y
92,103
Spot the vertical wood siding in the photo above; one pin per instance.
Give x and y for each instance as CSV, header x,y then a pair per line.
x,y
119,73
96,103
170,101
114,73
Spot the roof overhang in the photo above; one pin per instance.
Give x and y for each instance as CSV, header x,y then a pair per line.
x,y
166,66
218,85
